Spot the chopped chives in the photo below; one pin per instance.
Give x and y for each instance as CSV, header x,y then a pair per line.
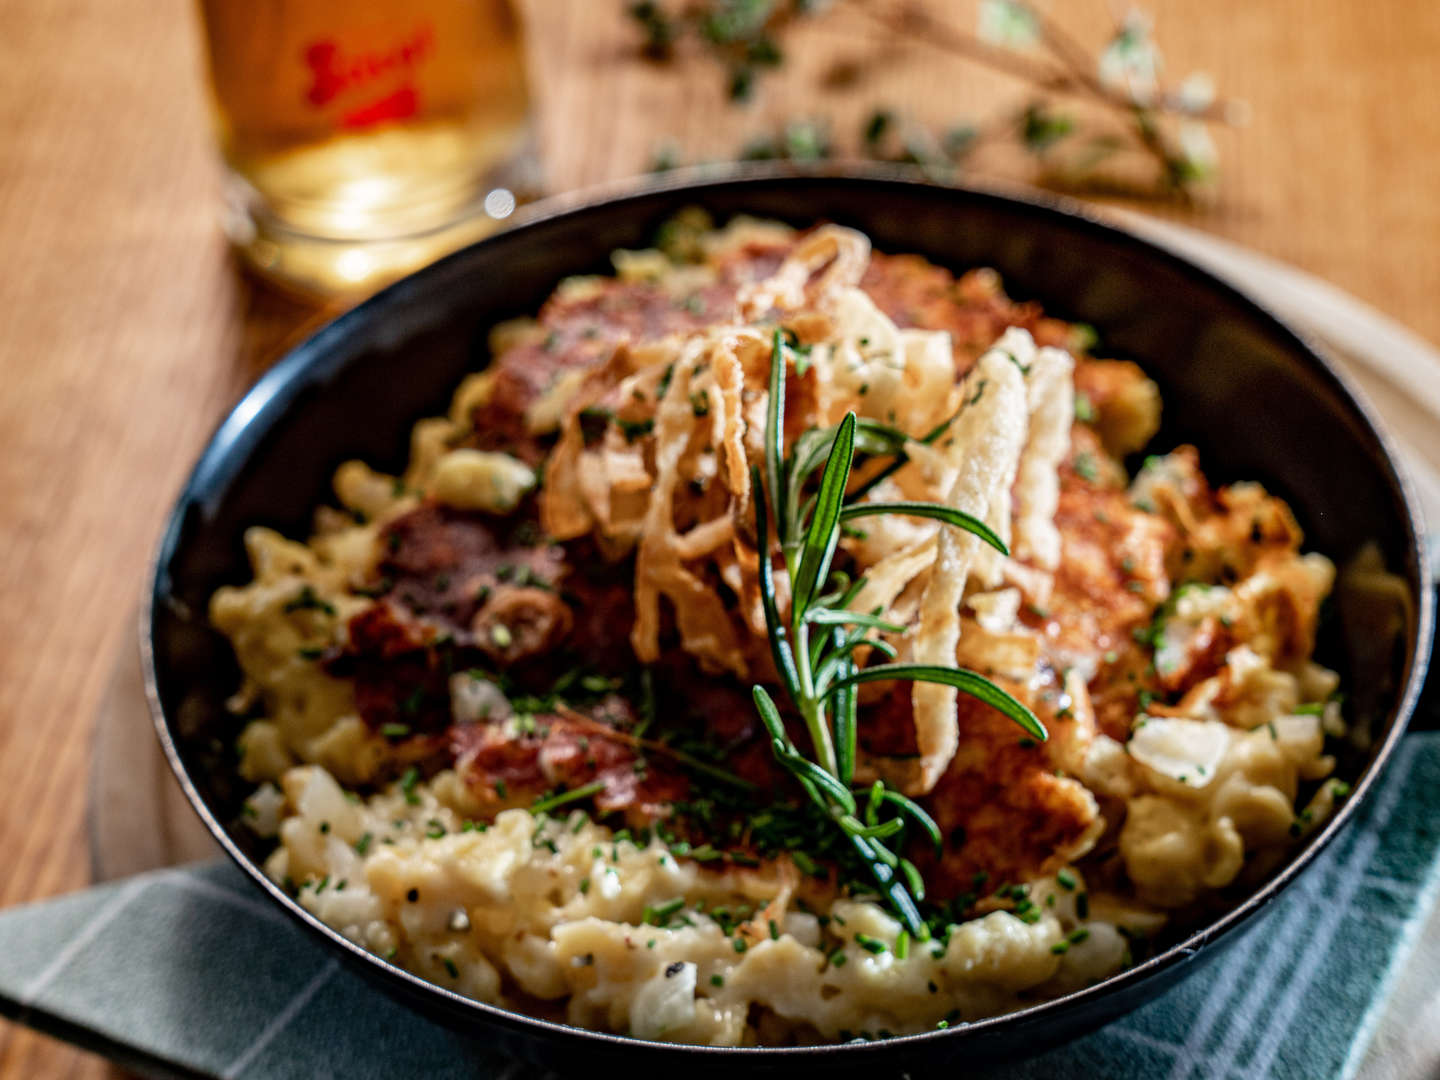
x,y
407,785
870,944
661,913
805,864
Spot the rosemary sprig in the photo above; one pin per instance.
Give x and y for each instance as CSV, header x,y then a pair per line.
x,y
814,649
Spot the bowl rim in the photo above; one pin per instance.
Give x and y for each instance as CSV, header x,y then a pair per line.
x,y
268,396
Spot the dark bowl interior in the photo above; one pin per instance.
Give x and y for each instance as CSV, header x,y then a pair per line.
x,y
1253,396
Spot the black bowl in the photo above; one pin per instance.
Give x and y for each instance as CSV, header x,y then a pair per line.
x,y
1256,399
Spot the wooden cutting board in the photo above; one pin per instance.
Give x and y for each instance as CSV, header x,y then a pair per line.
x,y
139,818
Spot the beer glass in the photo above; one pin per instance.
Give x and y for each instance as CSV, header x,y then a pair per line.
x,y
363,139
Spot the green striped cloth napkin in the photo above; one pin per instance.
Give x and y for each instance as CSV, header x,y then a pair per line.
x,y
191,972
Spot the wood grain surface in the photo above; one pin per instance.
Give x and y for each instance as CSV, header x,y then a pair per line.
x,y
126,330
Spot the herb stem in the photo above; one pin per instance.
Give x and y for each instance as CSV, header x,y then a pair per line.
x,y
632,738
584,791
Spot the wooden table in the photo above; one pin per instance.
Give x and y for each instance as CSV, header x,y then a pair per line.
x,y
125,330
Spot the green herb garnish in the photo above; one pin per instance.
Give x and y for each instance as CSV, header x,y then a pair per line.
x,y
407,785
307,600
820,676
584,791
870,944
661,914
635,429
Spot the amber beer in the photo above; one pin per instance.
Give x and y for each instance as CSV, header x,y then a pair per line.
x,y
366,137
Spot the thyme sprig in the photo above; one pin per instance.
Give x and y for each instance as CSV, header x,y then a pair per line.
x,y
1132,133
815,647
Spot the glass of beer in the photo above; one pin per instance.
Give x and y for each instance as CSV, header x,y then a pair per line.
x,y
364,139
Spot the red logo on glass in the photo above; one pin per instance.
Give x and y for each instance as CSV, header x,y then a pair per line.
x,y
339,75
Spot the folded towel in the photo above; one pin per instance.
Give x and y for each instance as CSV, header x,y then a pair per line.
x,y
192,971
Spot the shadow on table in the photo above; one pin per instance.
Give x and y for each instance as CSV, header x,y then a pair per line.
x,y
273,320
